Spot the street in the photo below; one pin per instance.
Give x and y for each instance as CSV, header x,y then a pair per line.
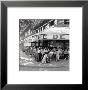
x,y
27,63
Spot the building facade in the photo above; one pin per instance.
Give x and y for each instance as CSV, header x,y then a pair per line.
x,y
50,34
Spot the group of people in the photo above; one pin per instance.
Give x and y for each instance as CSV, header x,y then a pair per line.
x,y
46,55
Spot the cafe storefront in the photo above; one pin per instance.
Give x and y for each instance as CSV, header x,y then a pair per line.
x,y
50,39
48,35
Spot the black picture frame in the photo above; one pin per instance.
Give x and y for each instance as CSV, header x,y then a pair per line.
x,y
5,5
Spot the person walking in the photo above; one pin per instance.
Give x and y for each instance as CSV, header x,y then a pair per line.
x,y
44,58
36,56
58,53
39,55
50,55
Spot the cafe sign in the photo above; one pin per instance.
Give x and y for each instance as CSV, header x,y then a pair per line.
x,y
50,36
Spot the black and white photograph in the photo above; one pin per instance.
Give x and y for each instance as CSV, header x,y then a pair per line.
x,y
44,44
44,41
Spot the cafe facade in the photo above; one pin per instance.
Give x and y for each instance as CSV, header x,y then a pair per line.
x,y
48,35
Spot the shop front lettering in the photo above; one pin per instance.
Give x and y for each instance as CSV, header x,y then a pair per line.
x,y
41,36
45,36
55,36
61,36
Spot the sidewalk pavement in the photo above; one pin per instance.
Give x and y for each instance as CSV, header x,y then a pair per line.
x,y
26,60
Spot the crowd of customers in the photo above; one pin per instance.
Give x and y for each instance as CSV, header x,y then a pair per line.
x,y
46,55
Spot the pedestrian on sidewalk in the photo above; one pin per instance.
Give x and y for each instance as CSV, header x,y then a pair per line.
x,y
44,58
58,53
